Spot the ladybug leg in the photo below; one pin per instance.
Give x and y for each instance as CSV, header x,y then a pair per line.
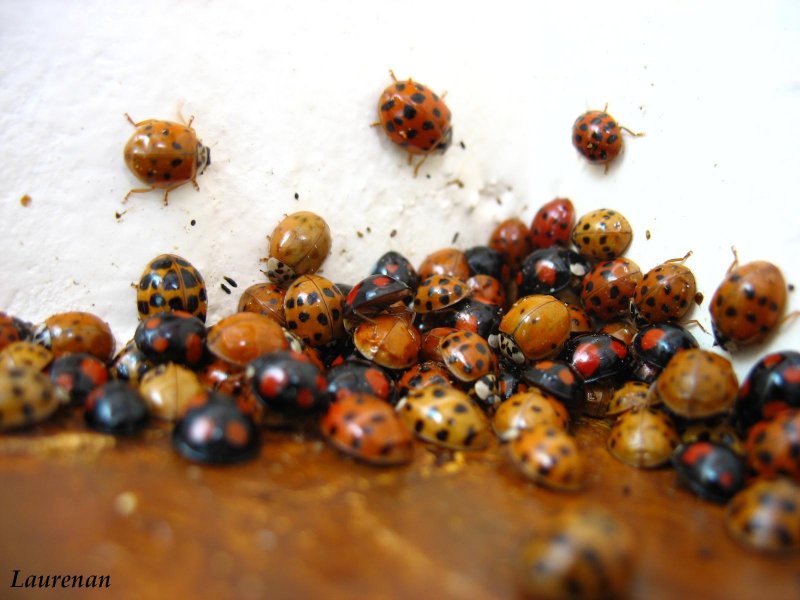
x,y
698,323
177,185
735,262
419,164
131,121
137,191
391,74
196,186
680,260
633,133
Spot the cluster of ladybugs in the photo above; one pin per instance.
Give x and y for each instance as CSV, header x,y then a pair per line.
x,y
516,337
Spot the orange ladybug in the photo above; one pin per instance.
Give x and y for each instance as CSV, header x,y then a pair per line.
x,y
164,155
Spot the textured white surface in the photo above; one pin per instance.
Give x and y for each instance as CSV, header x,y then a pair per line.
x,y
284,94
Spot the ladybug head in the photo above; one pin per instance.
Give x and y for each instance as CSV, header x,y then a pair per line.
x,y
203,157
444,144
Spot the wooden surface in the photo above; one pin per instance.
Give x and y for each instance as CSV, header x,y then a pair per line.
x,y
302,521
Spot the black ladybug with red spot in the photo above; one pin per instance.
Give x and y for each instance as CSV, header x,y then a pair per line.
x,y
551,270
172,337
374,294
654,345
78,374
598,357
710,470
288,383
771,386
397,266
356,376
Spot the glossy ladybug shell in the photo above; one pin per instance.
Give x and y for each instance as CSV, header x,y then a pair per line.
x,y
373,294
130,364
445,416
585,552
765,516
115,407
771,386
654,346
552,224
597,136
241,337
476,315
12,330
421,375
172,337
25,354
712,471
631,395
165,155
483,260
265,299
289,384
773,447
487,289
525,410
534,327
356,376
643,437
77,375
546,271
368,429
697,383
511,239
609,287
548,456
438,292
666,293
398,266
314,309
446,261
168,389
27,397
467,355
169,283
298,245
597,356
559,379
602,234
214,430
390,341
415,118
69,332
748,304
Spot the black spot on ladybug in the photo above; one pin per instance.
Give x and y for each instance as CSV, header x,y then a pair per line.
x,y
418,98
419,425
437,113
409,112
322,319
442,435
387,105
303,317
176,162
411,134
157,301
439,393
399,86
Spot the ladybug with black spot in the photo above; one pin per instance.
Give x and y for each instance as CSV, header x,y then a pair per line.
x,y
602,234
439,291
368,429
549,456
609,287
243,336
511,239
27,397
446,261
697,383
773,446
552,224
77,375
289,384
415,118
421,375
535,327
12,330
666,292
397,266
170,282
712,471
298,245
172,337
598,136
771,386
765,516
643,437
215,430
314,309
475,315
76,331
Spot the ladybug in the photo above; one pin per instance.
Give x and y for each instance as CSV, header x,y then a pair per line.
x,y
697,383
524,411
548,456
597,357
632,394
598,137
467,355
398,266
289,384
25,354
430,348
373,295
168,389
388,340
168,283
666,292
511,239
68,332
27,397
608,288
487,289
748,304
602,234
551,270
265,299
221,376
765,516
130,364
77,375
115,407
712,471
171,337
368,429
421,375
446,417
643,437
415,118
299,245
771,386
475,315
559,379
439,291
357,376
579,321
12,330
552,224
622,329
314,307
447,261
534,327
773,447
585,552
165,155
483,260
215,430
241,337
715,430
654,346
